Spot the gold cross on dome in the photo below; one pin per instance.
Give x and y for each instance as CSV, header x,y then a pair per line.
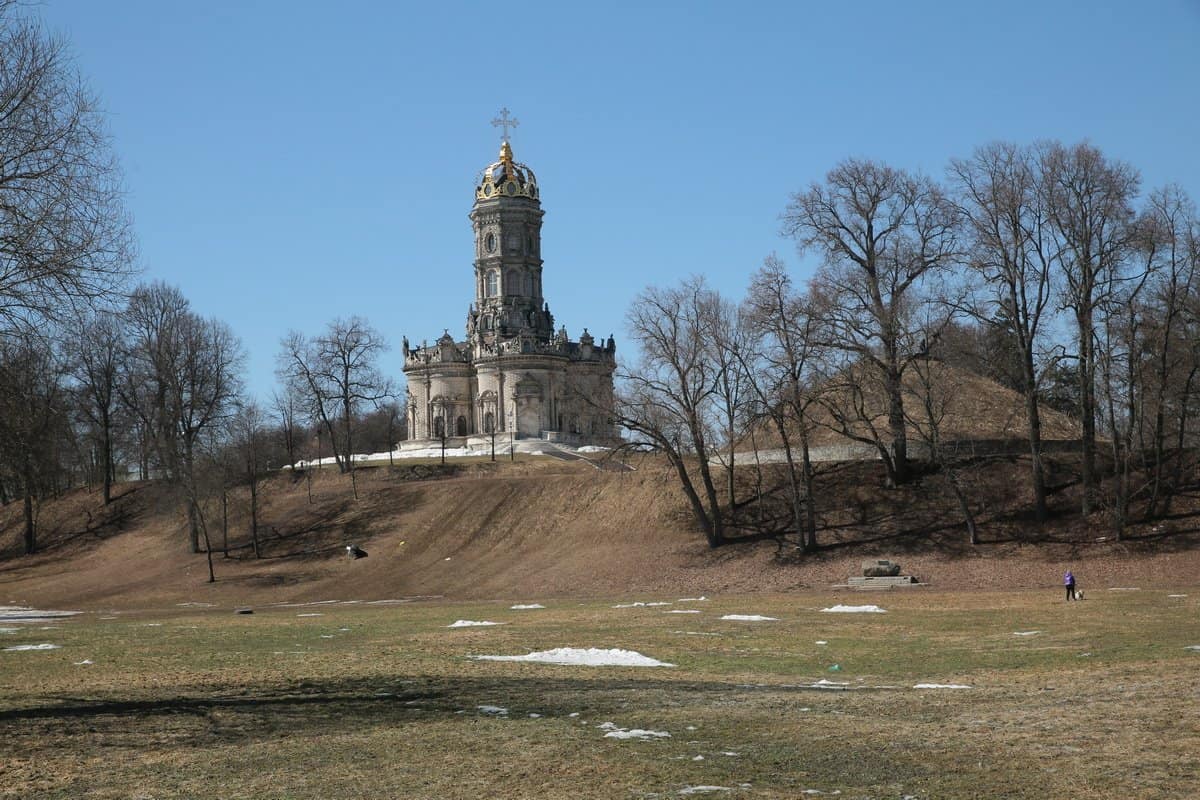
x,y
504,122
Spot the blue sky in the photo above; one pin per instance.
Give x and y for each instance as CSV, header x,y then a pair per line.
x,y
291,162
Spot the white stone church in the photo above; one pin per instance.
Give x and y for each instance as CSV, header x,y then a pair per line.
x,y
513,374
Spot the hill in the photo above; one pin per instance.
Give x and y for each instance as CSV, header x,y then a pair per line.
x,y
543,528
967,407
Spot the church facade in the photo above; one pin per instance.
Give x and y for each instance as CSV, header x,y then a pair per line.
x,y
513,373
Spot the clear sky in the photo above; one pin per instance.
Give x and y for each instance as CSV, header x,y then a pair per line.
x,y
289,162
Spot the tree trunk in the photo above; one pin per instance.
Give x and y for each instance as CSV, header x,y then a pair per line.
x,y
810,499
1034,417
30,526
1177,469
1087,411
898,475
225,521
793,482
963,505
106,456
710,533
254,515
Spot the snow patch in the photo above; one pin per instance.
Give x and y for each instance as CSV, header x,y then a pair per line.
x,y
841,609
311,614
700,599
497,710
1124,589
34,647
941,686
615,732
1177,595
525,606
683,611
85,662
703,789
1195,647
640,603
750,618
27,615
592,448
1026,633
590,657
822,641
471,623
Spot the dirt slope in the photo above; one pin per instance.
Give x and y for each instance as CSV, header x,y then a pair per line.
x,y
534,530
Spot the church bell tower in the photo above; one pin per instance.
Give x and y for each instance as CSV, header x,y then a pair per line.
x,y
507,220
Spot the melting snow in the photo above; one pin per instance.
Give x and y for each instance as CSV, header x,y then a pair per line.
x,y
592,448
500,710
639,603
614,732
84,662
751,618
470,623
1124,589
526,606
591,657
821,642
311,614
700,599
8,630
1189,647
24,614
840,609
1026,633
683,611
1177,595
34,647
941,686
703,789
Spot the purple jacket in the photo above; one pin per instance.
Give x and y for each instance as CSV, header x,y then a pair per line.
x,y
1068,579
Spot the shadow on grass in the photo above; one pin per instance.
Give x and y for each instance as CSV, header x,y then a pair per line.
x,y
327,706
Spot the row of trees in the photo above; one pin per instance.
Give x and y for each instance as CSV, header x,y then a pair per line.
x,y
1076,291
97,381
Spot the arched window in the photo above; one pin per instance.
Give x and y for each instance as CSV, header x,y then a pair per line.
x,y
439,427
489,422
461,424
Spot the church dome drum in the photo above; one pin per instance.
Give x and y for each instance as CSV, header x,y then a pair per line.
x,y
506,178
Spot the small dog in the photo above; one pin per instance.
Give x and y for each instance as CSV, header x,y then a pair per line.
x,y
1079,594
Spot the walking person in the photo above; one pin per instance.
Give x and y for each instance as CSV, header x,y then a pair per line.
x,y
1069,583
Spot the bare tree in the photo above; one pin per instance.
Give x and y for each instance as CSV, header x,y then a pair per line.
x,y
782,348
1088,199
33,414
64,237
288,412
338,373
1012,249
249,435
183,379
1168,242
667,400
883,234
98,348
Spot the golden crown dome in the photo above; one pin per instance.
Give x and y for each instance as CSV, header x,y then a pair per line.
x,y
506,178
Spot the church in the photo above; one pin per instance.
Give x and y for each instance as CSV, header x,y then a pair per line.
x,y
514,373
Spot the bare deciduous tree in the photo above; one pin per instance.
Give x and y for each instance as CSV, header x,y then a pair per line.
x,y
1011,248
783,349
182,382
1088,200
338,374
882,234
667,400
64,237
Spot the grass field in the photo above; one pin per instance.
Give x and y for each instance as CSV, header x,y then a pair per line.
x,y
1097,699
